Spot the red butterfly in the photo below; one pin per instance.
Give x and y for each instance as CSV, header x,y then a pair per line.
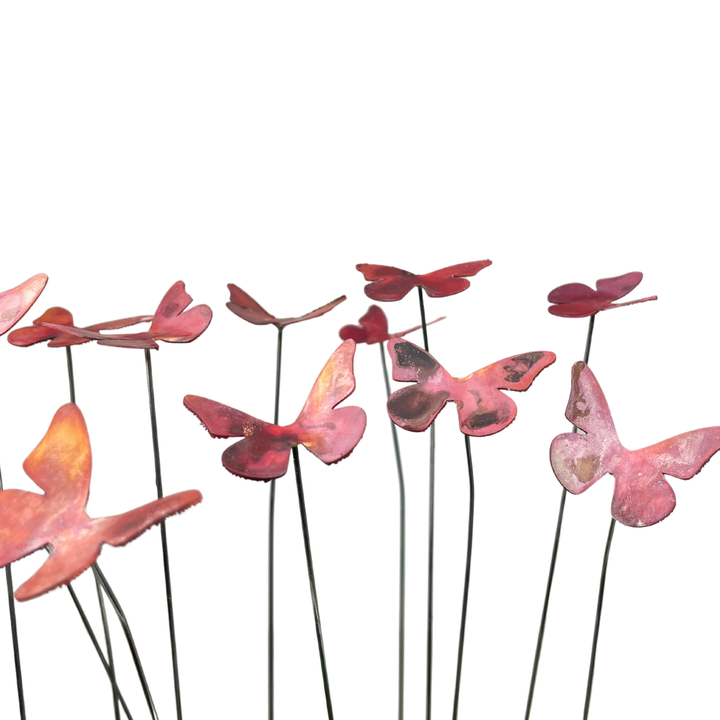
x,y
38,332
373,328
390,283
482,408
249,309
170,323
16,302
328,433
642,495
576,300
60,465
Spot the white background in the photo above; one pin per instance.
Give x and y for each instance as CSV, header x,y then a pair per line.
x,y
275,145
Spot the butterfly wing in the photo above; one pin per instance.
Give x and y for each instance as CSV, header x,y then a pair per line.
x,y
387,283
415,407
451,280
317,312
263,454
172,323
331,433
16,302
373,327
616,287
248,308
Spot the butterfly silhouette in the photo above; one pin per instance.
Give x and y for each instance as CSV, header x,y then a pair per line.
x,y
388,284
60,465
16,302
38,332
482,408
576,300
642,495
249,309
170,323
373,328
329,433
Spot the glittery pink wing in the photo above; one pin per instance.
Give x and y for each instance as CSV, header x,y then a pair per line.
x,y
16,302
416,406
328,432
482,408
249,309
172,323
451,280
263,454
373,327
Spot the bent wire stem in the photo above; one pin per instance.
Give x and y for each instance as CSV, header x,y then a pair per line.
x,y
468,562
163,534
401,609
271,549
553,558
128,634
598,613
311,577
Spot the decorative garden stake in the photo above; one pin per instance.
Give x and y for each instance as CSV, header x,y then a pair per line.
x,y
387,283
373,328
13,305
250,310
578,300
172,323
642,496
483,409
328,432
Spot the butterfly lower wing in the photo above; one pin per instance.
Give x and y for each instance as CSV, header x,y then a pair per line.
x,y
451,280
641,498
579,461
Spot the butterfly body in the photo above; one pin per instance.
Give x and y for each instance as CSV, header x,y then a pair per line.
x,y
642,495
482,408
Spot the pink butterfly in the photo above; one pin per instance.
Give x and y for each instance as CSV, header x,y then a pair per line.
x,y
60,465
482,408
642,495
576,300
373,328
329,433
170,323
16,302
249,309
388,283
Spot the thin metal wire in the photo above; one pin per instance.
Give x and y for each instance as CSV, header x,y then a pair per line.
x,y
468,562
71,374
311,577
591,672
401,609
128,634
271,549
108,643
163,535
553,558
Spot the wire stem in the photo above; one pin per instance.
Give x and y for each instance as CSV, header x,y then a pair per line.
x,y
311,577
108,643
71,374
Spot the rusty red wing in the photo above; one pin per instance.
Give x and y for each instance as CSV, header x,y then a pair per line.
x,y
373,328
16,302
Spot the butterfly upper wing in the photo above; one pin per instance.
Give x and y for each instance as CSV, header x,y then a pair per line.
x,y
263,454
373,327
16,302
416,406
172,323
317,312
482,408
248,308
616,287
451,280
572,292
331,433
387,283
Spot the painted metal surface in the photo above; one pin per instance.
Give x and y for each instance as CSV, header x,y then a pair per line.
x,y
373,328
387,283
642,495
16,302
576,300
249,309
61,465
329,433
482,408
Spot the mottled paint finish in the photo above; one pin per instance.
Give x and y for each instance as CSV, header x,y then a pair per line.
x,y
388,284
642,495
60,465
16,302
329,433
170,323
576,300
482,408
38,332
373,328
249,309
